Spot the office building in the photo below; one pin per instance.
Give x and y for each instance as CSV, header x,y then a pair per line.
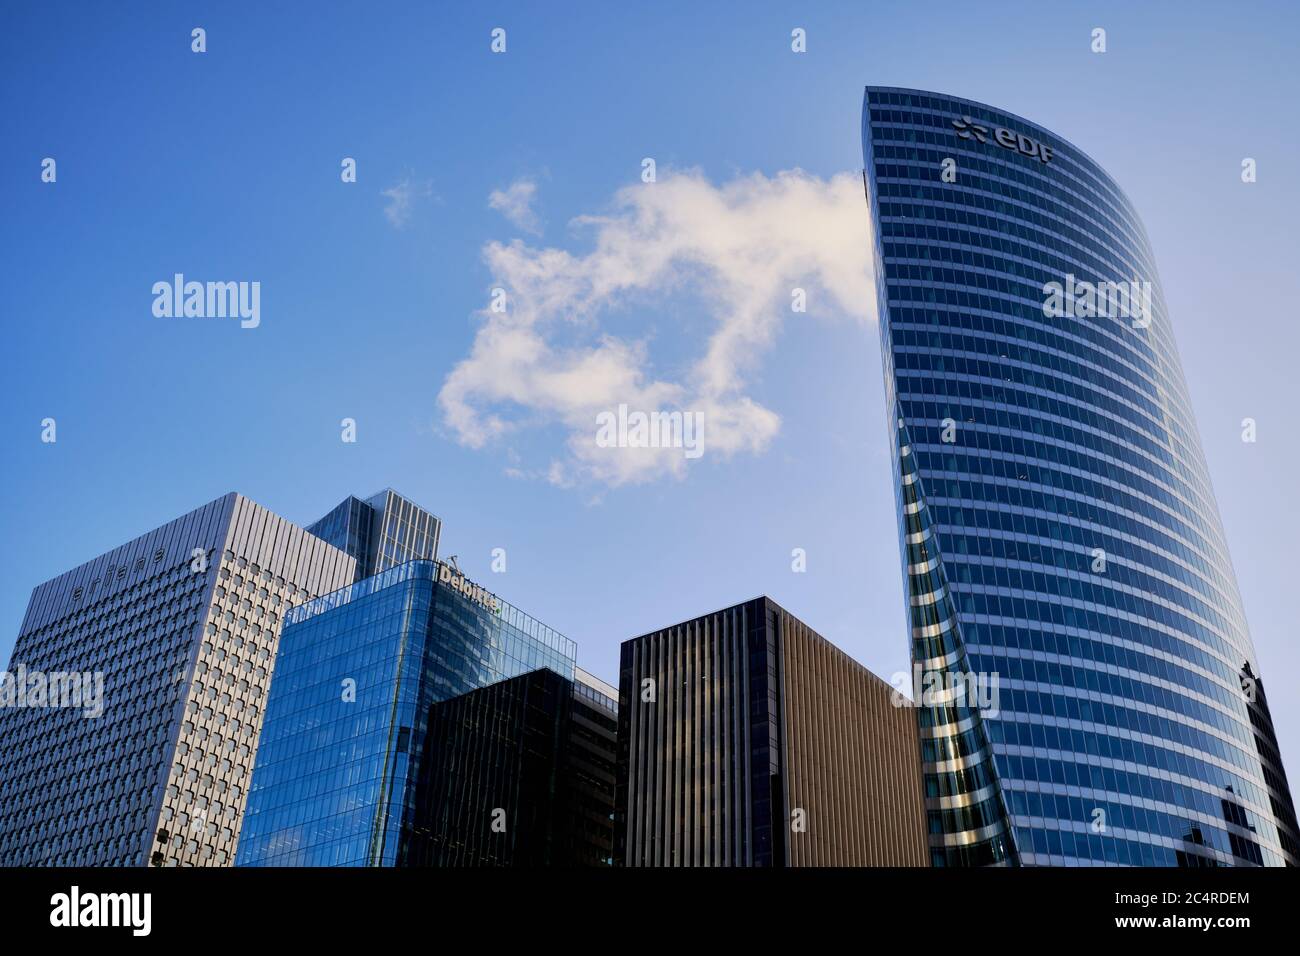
x,y
747,739
418,719
175,634
381,531
518,773
1059,534
591,771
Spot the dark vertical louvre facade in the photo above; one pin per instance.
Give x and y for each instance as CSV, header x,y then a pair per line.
x,y
489,794
519,773
732,722
590,768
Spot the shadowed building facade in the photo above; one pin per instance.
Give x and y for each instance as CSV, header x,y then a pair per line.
x,y
518,773
746,739
1057,524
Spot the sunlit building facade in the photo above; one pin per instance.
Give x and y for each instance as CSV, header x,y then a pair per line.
x,y
745,738
179,629
1058,528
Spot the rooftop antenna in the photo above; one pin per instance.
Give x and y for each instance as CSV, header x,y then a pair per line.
x,y
454,566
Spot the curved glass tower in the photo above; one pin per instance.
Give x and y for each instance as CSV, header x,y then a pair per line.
x,y
1087,686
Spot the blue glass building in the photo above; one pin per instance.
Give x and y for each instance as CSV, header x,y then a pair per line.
x,y
1060,538
381,531
345,729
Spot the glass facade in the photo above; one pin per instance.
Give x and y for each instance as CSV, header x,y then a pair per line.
x,y
381,532
518,773
346,722
1058,529
347,527
591,770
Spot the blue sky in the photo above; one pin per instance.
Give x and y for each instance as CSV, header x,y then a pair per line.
x,y
225,166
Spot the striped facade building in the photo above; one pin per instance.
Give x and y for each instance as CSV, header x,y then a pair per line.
x,y
747,739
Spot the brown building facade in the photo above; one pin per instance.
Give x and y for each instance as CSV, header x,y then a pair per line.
x,y
747,739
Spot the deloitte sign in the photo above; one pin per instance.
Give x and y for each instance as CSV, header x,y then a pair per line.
x,y
476,593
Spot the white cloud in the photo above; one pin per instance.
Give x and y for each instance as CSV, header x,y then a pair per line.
x,y
401,196
516,204
739,249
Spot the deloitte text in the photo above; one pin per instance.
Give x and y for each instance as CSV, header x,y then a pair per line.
x,y
475,592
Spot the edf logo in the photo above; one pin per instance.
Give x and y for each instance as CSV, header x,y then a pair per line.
x,y
967,128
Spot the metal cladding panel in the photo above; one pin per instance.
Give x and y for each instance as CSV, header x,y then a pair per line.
x,y
183,657
852,760
266,565
202,528
126,623
706,765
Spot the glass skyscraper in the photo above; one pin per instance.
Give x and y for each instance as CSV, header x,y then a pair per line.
x,y
1060,538
381,531
360,673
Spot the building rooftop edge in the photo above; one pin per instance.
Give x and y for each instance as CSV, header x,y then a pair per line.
x,y
869,88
